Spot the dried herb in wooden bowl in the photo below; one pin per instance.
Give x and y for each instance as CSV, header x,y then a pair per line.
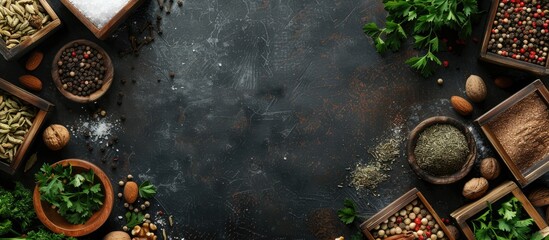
x,y
441,150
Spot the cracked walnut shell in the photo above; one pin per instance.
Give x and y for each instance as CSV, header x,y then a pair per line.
x,y
56,136
475,188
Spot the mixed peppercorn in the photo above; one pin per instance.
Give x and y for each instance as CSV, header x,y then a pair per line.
x,y
413,219
81,69
520,30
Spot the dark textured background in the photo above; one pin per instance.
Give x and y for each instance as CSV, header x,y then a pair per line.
x,y
271,103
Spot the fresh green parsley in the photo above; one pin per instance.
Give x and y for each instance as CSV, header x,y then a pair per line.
x,y
348,213
147,190
509,222
76,196
423,20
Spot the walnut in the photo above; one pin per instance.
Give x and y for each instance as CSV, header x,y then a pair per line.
x,y
453,231
539,197
489,168
56,136
475,188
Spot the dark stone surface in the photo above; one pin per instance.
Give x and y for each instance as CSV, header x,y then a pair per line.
x,y
270,105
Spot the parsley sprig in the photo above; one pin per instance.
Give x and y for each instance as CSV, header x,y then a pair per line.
x,y
76,195
348,213
423,19
507,223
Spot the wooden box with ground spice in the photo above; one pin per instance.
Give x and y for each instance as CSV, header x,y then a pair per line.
x,y
408,217
99,17
517,128
23,24
517,35
21,115
504,208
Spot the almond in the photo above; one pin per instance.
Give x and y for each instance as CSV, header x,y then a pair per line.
x,y
31,82
503,82
475,88
461,105
131,190
539,197
34,60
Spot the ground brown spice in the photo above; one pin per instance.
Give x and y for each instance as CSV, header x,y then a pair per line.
x,y
523,131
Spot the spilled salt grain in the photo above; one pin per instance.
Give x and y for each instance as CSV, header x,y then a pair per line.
x,y
99,12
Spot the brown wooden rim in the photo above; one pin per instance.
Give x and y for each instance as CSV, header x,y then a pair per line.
x,y
90,226
447,179
106,81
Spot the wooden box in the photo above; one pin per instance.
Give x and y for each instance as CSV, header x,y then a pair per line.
x,y
540,166
34,39
111,25
43,107
465,213
396,206
487,56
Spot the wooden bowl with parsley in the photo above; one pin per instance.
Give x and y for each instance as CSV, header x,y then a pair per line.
x,y
72,197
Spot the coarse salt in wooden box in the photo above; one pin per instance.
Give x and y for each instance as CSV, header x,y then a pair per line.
x,y
99,19
413,198
507,189
518,130
42,108
32,40
504,56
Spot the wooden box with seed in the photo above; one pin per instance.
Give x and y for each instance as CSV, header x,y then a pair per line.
x,y
402,210
24,24
102,32
517,128
21,116
504,43
469,212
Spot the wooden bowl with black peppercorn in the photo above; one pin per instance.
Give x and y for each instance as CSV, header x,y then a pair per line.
x,y
455,163
82,71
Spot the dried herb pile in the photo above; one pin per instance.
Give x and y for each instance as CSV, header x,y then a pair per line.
x,y
370,175
441,149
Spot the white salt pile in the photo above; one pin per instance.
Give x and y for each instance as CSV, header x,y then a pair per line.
x,y
99,12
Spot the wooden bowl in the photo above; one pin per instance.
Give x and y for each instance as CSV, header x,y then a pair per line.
x,y
56,223
106,81
446,179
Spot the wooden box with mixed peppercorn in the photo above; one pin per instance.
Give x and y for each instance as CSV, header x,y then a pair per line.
x,y
517,35
408,217
21,115
23,24
505,213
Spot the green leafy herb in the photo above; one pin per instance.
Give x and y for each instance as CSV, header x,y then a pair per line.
x,y
422,19
133,219
16,207
41,234
508,222
147,190
357,236
76,195
348,213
